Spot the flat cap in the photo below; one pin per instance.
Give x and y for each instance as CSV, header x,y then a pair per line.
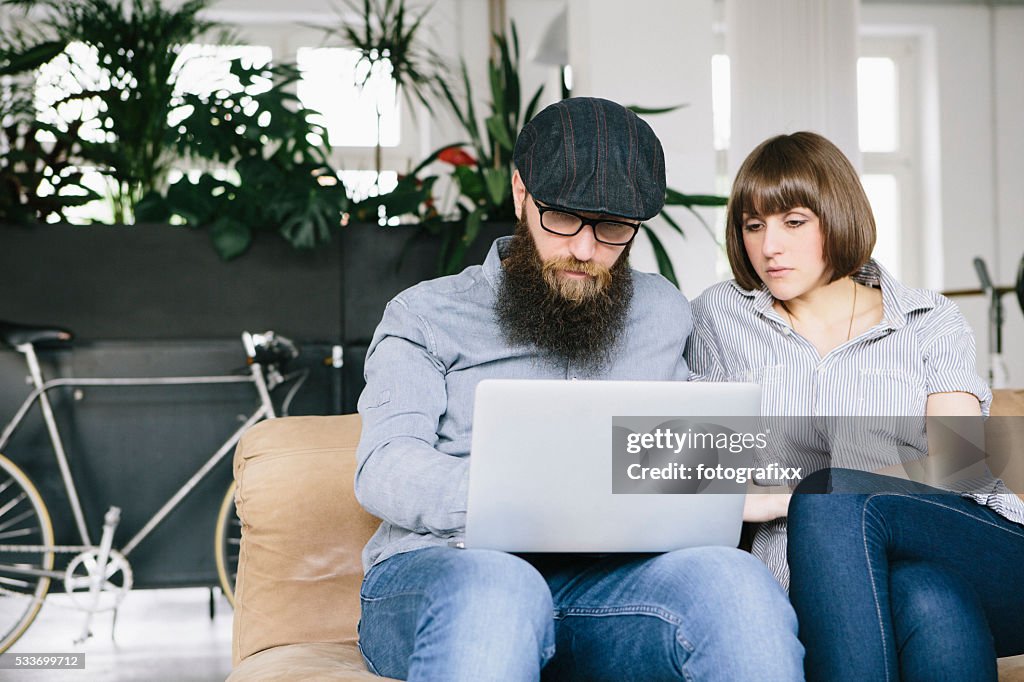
x,y
591,154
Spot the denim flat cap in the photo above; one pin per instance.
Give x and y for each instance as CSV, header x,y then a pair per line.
x,y
590,154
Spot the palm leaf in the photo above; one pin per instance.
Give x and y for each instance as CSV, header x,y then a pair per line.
x,y
661,256
32,58
645,111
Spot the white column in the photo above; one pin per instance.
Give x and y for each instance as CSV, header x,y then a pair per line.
x,y
793,66
656,53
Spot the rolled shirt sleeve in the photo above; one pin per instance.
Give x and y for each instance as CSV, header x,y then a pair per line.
x,y
949,356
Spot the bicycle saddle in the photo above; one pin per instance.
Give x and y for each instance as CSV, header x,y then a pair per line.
x,y
14,334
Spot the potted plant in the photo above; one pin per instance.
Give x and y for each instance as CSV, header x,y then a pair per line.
x,y
481,176
143,124
285,183
39,178
126,103
387,38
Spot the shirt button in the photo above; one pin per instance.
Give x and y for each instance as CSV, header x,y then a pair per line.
x,y
786,331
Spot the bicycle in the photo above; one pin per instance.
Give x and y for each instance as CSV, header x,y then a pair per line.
x,y
98,576
998,376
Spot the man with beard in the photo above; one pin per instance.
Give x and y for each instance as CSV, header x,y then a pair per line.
x,y
557,300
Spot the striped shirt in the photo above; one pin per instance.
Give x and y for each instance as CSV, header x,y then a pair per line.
x,y
922,345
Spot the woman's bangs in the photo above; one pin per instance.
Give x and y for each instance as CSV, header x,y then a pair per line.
x,y
765,195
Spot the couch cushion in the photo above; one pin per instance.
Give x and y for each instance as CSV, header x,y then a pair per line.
x,y
1007,402
1004,433
1011,669
303,531
333,662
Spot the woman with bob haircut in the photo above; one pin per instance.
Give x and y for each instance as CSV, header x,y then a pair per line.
x,y
890,578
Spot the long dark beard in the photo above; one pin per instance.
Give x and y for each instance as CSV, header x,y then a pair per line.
x,y
577,321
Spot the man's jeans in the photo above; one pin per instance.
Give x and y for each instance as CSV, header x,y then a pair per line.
x,y
699,614
893,580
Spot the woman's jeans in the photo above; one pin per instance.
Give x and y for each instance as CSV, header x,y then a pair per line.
x,y
893,580
698,614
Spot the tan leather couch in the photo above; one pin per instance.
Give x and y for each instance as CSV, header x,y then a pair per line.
x,y
297,597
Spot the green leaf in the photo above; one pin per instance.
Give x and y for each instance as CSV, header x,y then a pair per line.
x,y
152,208
32,58
498,184
649,111
661,255
531,108
672,223
474,221
401,202
497,89
433,157
470,183
707,228
454,256
230,237
496,127
676,198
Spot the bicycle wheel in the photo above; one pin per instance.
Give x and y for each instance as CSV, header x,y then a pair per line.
x,y
26,552
228,542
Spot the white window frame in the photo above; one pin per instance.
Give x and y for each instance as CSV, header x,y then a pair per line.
x,y
285,33
905,163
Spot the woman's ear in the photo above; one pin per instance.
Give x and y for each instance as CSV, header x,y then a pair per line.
x,y
518,193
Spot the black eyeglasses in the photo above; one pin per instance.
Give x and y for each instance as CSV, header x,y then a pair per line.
x,y
568,224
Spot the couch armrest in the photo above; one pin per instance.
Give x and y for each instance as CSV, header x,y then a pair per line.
x,y
303,531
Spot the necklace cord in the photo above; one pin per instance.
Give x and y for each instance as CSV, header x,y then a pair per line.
x,y
853,313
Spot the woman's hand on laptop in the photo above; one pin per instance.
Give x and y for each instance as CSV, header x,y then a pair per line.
x,y
764,506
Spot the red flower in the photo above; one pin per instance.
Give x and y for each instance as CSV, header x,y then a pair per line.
x,y
456,157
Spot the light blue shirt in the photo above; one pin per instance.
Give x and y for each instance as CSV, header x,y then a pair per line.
x,y
922,345
435,343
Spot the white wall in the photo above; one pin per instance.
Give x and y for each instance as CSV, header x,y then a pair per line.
x,y
664,58
652,63
793,66
656,53
1008,47
981,150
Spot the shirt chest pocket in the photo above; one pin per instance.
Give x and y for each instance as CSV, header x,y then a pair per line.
x,y
766,375
887,391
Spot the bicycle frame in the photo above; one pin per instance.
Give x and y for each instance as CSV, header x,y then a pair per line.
x,y
256,377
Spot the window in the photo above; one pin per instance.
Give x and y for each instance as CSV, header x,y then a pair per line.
x,y
888,112
204,69
721,101
888,109
877,104
199,69
71,73
329,85
360,184
878,133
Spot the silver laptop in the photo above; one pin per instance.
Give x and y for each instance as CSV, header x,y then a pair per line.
x,y
609,466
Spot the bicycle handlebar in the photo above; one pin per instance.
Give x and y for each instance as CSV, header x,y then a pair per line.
x,y
269,348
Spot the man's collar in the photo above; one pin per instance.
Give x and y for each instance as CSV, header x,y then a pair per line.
x,y
898,300
492,263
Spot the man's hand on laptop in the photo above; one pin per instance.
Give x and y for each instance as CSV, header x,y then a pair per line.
x,y
766,506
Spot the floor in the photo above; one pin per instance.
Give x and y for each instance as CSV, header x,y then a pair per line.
x,y
160,635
